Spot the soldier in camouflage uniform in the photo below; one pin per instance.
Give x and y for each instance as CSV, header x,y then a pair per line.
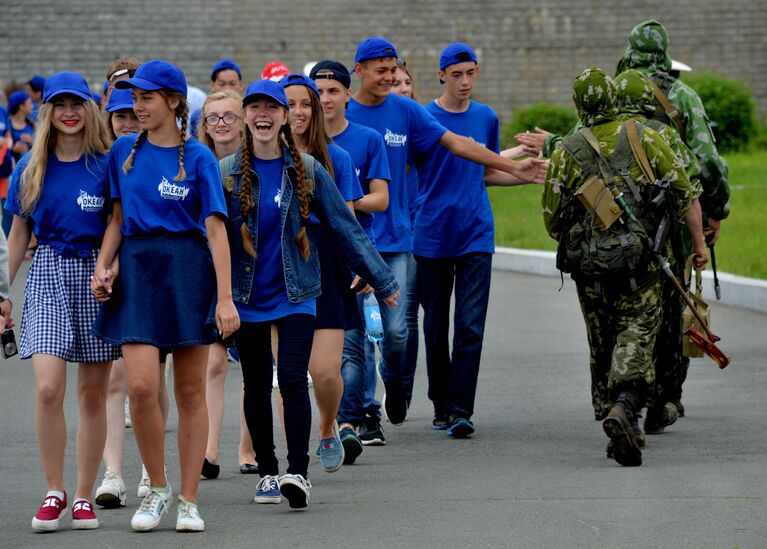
x,y
647,53
621,318
636,102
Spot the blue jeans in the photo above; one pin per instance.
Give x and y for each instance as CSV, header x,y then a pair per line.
x,y
411,316
358,366
453,379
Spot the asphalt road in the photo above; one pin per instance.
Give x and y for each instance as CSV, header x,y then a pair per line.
x,y
534,475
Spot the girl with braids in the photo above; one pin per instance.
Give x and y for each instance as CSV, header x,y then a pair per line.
x,y
222,123
163,186
276,277
121,120
337,305
60,192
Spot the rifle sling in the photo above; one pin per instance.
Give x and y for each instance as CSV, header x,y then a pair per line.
x,y
591,139
636,147
671,111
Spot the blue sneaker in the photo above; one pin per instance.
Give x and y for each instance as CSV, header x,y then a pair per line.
x,y
268,490
332,452
232,354
459,427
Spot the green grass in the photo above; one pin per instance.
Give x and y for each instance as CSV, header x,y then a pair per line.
x,y
742,247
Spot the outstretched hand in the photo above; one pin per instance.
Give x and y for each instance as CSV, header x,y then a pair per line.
x,y
532,142
532,170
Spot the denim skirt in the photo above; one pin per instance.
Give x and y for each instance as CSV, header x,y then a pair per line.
x,y
337,304
164,294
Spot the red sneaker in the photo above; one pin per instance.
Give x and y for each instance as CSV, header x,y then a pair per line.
x,y
52,509
83,517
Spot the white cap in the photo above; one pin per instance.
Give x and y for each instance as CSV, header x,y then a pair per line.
x,y
679,66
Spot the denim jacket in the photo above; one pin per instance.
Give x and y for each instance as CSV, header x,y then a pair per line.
x,y
302,277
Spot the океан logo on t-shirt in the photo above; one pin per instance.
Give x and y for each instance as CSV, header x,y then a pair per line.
x,y
171,191
90,203
394,139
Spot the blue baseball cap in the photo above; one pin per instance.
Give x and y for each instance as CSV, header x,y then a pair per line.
x,y
298,79
119,100
37,82
455,53
66,82
154,75
105,87
374,47
225,65
268,88
16,99
331,70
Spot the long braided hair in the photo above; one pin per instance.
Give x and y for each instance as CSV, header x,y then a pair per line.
x,y
182,113
246,190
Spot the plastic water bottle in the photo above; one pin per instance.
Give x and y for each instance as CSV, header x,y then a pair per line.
x,y
373,324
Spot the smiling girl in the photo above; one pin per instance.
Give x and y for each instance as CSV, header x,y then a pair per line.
x,y
163,186
276,275
60,192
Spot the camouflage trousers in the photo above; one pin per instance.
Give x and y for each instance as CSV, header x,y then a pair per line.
x,y
670,366
621,325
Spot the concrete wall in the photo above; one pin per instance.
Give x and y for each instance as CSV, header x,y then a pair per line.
x,y
529,50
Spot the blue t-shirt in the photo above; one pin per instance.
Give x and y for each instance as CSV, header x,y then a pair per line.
x,y
343,173
454,216
152,201
405,126
368,152
28,129
268,294
4,121
73,205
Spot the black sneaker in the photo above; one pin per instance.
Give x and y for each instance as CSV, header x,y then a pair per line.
x,y
371,433
394,403
659,418
439,423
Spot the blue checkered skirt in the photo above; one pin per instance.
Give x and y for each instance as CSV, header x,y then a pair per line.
x,y
59,309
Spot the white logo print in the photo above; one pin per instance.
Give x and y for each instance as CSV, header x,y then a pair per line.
x,y
394,139
358,171
171,191
278,198
90,203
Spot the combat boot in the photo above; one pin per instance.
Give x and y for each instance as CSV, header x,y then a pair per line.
x,y
617,426
659,418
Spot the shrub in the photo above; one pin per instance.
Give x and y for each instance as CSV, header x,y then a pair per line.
x,y
549,116
730,106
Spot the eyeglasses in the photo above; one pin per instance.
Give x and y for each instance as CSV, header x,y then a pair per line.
x,y
228,118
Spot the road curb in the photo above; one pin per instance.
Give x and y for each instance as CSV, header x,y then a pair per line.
x,y
737,291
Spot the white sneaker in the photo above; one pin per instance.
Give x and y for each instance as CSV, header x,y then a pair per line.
x,y
296,489
152,507
112,491
128,421
144,485
188,517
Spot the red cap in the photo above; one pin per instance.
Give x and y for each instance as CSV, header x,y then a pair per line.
x,y
274,71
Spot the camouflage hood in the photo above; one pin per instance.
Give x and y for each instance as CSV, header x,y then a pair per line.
x,y
648,44
634,93
594,97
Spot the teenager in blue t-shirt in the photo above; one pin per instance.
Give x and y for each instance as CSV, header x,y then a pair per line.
x,y
226,75
276,272
336,306
21,123
163,186
60,192
356,411
406,128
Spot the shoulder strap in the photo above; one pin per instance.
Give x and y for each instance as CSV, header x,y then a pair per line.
x,y
591,139
636,147
309,167
671,111
226,165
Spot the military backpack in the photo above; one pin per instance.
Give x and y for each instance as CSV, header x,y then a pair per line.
x,y
617,248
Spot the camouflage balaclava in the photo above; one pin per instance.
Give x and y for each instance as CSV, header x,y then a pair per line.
x,y
594,97
634,93
647,49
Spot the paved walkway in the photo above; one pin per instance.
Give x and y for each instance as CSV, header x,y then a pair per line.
x,y
535,474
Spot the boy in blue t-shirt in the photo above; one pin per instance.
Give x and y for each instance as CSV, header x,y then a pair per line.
x,y
454,243
226,75
407,128
368,152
